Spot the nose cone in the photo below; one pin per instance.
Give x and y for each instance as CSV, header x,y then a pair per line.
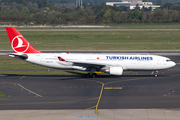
x,y
173,64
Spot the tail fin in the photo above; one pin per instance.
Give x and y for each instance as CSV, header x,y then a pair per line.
x,y
18,43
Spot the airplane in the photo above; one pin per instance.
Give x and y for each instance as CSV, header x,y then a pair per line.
x,y
114,64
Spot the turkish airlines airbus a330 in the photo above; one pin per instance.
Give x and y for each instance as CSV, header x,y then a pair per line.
x,y
108,63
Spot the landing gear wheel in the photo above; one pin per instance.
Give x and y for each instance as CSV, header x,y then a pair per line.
x,y
156,74
88,75
94,75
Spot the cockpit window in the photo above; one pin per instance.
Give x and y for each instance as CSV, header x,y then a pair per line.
x,y
168,60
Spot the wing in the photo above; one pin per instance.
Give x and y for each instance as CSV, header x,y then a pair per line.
x,y
86,63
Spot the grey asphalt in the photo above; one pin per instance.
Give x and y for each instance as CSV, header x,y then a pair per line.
x,y
95,29
140,90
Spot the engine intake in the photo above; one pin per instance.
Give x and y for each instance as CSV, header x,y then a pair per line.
x,y
113,70
116,70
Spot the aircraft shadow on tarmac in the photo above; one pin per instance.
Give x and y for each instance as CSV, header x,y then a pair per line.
x,y
84,76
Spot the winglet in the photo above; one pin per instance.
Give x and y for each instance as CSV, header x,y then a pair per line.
x,y
18,43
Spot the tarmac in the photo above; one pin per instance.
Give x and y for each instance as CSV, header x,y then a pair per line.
x,y
137,96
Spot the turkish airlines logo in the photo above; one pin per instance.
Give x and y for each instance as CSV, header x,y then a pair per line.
x,y
19,44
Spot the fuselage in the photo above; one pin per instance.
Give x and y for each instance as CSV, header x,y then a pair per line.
x,y
127,62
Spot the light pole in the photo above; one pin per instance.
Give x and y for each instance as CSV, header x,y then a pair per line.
x,y
79,3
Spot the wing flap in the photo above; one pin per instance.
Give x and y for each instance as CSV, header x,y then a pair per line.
x,y
90,64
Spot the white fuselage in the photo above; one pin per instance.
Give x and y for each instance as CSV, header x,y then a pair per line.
x,y
127,62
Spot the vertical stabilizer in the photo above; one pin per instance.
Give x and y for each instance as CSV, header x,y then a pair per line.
x,y
18,43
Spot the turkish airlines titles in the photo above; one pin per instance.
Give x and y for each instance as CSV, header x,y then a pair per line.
x,y
128,58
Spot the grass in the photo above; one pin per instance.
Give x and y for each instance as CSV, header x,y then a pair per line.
x,y
116,26
98,40
13,66
2,95
148,26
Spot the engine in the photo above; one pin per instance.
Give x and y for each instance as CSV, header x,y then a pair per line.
x,y
113,70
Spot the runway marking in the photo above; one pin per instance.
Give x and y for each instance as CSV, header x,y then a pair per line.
x,y
22,77
99,98
102,88
23,88
112,88
29,90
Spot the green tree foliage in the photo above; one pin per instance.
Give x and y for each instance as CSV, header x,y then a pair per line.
x,y
136,14
35,11
103,1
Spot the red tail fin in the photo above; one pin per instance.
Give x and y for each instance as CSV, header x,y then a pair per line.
x,y
18,43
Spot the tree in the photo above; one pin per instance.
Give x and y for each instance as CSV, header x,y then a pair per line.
x,y
168,5
137,7
136,14
175,7
117,16
41,3
144,16
159,2
107,15
25,11
175,16
63,1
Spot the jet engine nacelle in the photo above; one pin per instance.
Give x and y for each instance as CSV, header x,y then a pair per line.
x,y
116,70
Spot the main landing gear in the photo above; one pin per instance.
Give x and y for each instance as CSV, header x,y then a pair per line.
x,y
93,75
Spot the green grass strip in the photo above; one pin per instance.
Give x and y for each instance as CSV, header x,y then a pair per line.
x,y
98,40
2,95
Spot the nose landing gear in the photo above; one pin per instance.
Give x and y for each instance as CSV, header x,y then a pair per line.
x,y
156,74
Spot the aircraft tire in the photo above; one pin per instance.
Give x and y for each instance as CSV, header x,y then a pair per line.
x,y
94,75
88,75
